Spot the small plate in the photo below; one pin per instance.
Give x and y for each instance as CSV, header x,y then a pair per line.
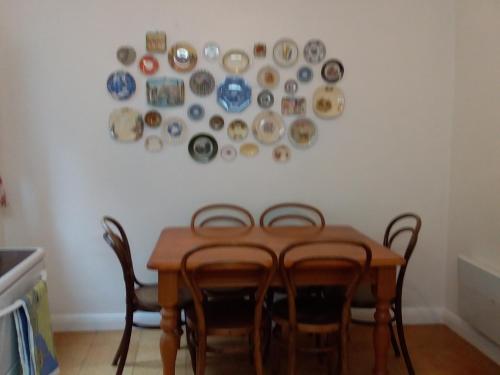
x,y
268,127
260,50
265,99
281,153
152,119
268,77
314,51
293,106
156,41
121,85
235,61
328,102
196,112
149,65
126,55
211,51
165,92
175,130
237,130
291,86
234,94
182,57
302,133
332,71
202,83
305,74
153,143
216,122
285,53
249,150
203,148
228,152
126,125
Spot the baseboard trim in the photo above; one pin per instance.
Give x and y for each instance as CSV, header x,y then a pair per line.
x,y
474,337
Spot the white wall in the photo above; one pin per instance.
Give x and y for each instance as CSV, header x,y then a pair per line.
x,y
389,152
475,172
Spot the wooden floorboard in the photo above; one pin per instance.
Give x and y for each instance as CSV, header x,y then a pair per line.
x,y
435,350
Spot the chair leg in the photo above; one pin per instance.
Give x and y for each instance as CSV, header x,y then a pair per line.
x,y
191,343
394,342
402,340
275,348
201,355
124,345
292,337
257,353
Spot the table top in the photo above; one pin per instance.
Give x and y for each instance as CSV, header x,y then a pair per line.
x,y
174,242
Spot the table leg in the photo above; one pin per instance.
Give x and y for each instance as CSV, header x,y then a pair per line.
x,y
170,338
385,291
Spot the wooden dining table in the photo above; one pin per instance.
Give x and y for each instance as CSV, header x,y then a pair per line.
x,y
174,242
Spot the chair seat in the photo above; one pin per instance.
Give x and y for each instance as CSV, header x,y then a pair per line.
x,y
147,297
225,315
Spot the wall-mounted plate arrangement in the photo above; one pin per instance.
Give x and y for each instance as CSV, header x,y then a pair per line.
x,y
233,94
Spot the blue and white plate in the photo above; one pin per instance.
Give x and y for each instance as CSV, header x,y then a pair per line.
x,y
234,94
121,85
175,130
305,74
196,112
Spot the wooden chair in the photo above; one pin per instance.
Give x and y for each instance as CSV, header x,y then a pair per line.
x,y
225,317
291,213
221,214
324,318
138,296
364,297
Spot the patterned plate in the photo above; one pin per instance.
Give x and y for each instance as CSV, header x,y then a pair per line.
x,y
265,99
268,127
149,65
211,51
302,133
121,85
291,86
234,94
328,102
175,130
126,125
216,122
203,148
314,51
182,57
165,92
235,61
196,112
152,119
305,74
332,71
202,83
281,153
285,53
237,130
268,77
126,55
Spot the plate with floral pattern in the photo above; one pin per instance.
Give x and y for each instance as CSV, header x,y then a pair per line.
x,y
175,130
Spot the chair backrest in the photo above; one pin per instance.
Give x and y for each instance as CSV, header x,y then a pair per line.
x,y
222,214
238,257
351,259
115,237
291,213
409,224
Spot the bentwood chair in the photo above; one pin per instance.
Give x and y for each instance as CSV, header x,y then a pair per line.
x,y
221,214
325,318
292,213
138,296
404,229
225,317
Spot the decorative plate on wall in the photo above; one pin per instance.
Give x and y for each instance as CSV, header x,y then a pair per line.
x,y
175,130
291,86
237,130
153,143
126,55
249,150
235,61
203,148
126,125
293,106
234,94
268,127
152,119
260,50
228,152
281,153
202,83
149,65
302,133
196,112
285,53
305,74
332,71
314,51
121,85
211,51
265,99
182,57
268,77
156,41
165,92
216,122
328,102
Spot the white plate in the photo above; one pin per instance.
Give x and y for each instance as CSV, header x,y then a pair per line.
x,y
268,127
285,53
175,130
235,61
126,125
328,102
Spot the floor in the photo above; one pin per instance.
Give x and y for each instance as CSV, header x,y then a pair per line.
x,y
435,350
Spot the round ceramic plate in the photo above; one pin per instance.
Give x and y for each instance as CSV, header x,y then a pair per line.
x,y
126,55
196,112
268,77
202,83
216,122
281,153
237,130
235,61
203,148
332,71
228,152
291,86
126,125
182,57
153,143
149,65
249,150
265,99
314,51
302,133
285,53
152,119
234,94
305,74
175,130
268,127
121,85
211,51
328,102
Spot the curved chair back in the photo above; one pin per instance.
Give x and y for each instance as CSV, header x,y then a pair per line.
x,y
333,256
115,237
396,228
292,214
222,214
203,265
